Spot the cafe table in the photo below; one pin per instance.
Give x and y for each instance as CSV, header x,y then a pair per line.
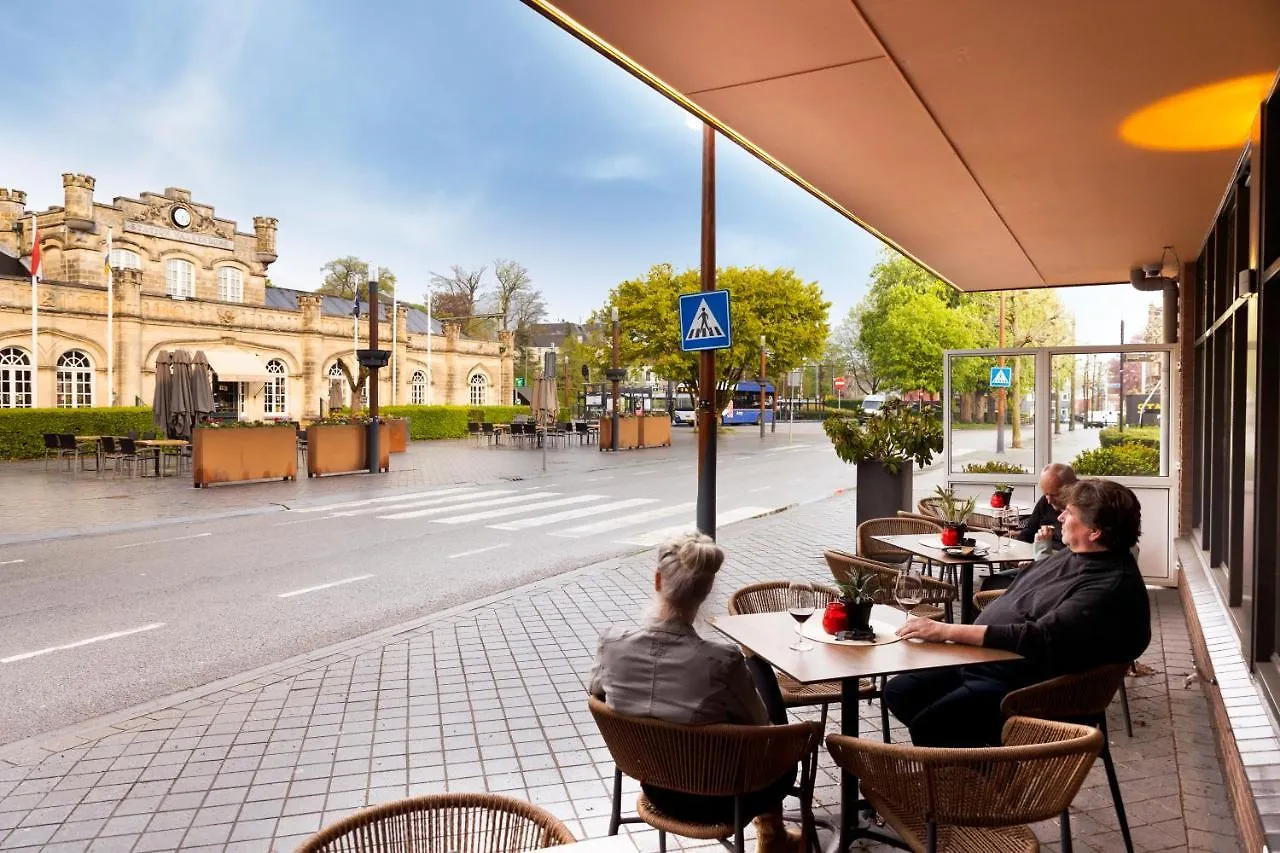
x,y
160,444
929,547
96,441
769,636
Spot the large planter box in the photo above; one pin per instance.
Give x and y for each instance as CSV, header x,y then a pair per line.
x,y
398,429
655,430
881,494
236,454
633,432
340,449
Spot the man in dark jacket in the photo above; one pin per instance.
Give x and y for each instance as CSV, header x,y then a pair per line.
x,y
1079,608
1054,480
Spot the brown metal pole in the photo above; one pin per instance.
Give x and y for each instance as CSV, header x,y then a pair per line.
x,y
1000,393
707,404
375,309
613,421
762,367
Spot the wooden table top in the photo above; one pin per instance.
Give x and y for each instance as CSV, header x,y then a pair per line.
x,y
769,634
88,438
162,442
930,547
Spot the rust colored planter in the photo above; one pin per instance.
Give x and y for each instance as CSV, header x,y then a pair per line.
x,y
236,454
655,431
340,449
636,432
398,428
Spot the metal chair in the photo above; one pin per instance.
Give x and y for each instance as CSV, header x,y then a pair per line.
x,y
51,445
474,431
722,760
1082,697
489,434
973,800
69,449
476,823
111,452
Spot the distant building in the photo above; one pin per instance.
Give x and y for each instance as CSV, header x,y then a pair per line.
x,y
186,279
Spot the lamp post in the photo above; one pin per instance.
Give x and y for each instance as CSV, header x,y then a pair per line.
x,y
762,366
615,376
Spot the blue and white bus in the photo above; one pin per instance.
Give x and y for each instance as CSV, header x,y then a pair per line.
x,y
745,406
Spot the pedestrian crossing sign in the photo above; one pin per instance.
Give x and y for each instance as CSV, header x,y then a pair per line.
x,y
1001,377
704,321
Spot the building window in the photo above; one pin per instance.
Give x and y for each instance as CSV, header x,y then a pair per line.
x,y
181,278
125,259
230,284
418,389
275,392
15,379
75,380
479,390
335,372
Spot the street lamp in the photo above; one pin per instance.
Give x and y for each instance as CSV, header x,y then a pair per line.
x,y
762,357
615,377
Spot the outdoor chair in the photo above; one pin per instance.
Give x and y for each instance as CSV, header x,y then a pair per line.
x,y
932,519
1081,697
132,455
476,823
771,597
111,453
70,450
973,800
939,596
582,430
881,552
722,759
50,446
473,431
489,434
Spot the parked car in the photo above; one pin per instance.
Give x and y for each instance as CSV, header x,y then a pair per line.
x,y
1107,418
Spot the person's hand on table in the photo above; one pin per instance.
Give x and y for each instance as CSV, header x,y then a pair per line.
x,y
1045,533
916,628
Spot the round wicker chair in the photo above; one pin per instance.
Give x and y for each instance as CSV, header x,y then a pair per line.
x,y
973,800
872,549
938,595
443,823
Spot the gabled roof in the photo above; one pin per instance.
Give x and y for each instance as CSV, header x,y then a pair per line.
x,y
287,299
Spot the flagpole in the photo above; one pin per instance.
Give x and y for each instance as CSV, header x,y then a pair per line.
x,y
429,333
35,314
111,334
394,316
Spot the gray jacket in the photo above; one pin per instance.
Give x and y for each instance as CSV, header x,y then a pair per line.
x,y
663,669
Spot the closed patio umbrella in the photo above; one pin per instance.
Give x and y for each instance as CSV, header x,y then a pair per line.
x,y
201,385
160,398
544,405
181,406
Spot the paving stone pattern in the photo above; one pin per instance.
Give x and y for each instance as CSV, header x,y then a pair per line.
x,y
490,698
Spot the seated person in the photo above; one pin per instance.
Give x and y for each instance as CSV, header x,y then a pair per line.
x,y
1042,527
663,669
1076,609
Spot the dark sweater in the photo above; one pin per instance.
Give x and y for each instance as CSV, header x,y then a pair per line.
x,y
1041,514
1071,612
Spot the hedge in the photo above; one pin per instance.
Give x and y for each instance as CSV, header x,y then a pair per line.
x,y
1145,436
436,422
995,466
1120,460
22,430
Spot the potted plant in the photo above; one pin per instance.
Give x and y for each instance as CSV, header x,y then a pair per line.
x,y
858,595
1002,496
336,444
235,451
955,512
884,445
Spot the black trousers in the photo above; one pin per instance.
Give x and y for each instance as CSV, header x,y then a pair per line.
x,y
693,807
954,707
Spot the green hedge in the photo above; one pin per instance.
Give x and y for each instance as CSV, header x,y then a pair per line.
x,y
995,466
1145,436
436,422
1120,460
22,430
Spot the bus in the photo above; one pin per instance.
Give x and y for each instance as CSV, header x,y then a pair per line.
x,y
745,406
684,410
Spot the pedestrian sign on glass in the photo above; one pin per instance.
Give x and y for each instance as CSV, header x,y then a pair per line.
x,y
704,321
1001,377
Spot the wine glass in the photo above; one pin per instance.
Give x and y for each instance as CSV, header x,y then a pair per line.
x,y
1001,524
800,605
908,589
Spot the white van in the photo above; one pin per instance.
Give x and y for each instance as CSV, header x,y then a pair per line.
x,y
872,403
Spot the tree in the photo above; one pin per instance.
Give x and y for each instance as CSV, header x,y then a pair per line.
x,y
789,311
342,277
513,282
461,288
844,351
354,382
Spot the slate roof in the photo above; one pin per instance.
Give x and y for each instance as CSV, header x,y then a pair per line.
x,y
337,306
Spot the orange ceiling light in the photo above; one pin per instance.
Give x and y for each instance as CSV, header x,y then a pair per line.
x,y
1212,117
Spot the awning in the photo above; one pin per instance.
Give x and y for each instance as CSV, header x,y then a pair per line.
x,y
233,365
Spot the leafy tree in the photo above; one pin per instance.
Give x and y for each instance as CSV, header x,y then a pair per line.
x,y
844,351
777,303
355,381
343,276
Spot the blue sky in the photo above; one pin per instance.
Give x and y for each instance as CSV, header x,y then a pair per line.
x,y
415,134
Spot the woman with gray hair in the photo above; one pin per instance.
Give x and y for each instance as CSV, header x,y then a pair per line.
x,y
664,669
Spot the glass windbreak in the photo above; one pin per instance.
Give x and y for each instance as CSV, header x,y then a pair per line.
x,y
1108,414
993,408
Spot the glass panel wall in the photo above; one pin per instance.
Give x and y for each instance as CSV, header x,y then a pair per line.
x,y
1109,418
992,427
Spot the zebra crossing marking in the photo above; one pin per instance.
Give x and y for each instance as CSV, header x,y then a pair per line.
x,y
656,537
515,510
569,514
436,510
470,495
609,524
368,501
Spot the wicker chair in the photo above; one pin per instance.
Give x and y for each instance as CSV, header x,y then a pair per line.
x,y
973,800
475,823
879,551
939,596
932,508
771,597
714,760
932,519
982,599
1081,697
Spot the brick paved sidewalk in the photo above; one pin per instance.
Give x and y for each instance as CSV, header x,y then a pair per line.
x,y
490,697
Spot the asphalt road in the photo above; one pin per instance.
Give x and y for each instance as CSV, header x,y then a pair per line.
x,y
93,624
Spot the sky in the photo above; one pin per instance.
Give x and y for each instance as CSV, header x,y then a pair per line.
x,y
417,135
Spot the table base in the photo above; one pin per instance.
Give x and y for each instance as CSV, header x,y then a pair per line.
x,y
851,803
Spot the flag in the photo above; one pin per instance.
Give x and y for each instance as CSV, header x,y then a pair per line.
x,y
35,249
106,258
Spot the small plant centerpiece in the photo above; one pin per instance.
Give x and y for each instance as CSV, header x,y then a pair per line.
x,y
955,512
1002,496
858,595
883,445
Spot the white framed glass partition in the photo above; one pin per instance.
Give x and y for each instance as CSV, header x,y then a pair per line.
x,y
1107,411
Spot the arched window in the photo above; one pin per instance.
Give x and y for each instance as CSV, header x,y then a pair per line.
x,y
75,380
125,259
230,284
479,390
15,379
335,372
418,389
275,394
180,278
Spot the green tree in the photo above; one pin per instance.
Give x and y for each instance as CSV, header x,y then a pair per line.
x,y
343,276
844,352
789,311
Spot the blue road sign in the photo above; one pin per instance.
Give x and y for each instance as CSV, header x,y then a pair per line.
x,y
704,321
1001,377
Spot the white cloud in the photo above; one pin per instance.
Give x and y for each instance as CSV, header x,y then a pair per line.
x,y
619,167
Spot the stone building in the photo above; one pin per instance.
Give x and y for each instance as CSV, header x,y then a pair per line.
x,y
185,279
